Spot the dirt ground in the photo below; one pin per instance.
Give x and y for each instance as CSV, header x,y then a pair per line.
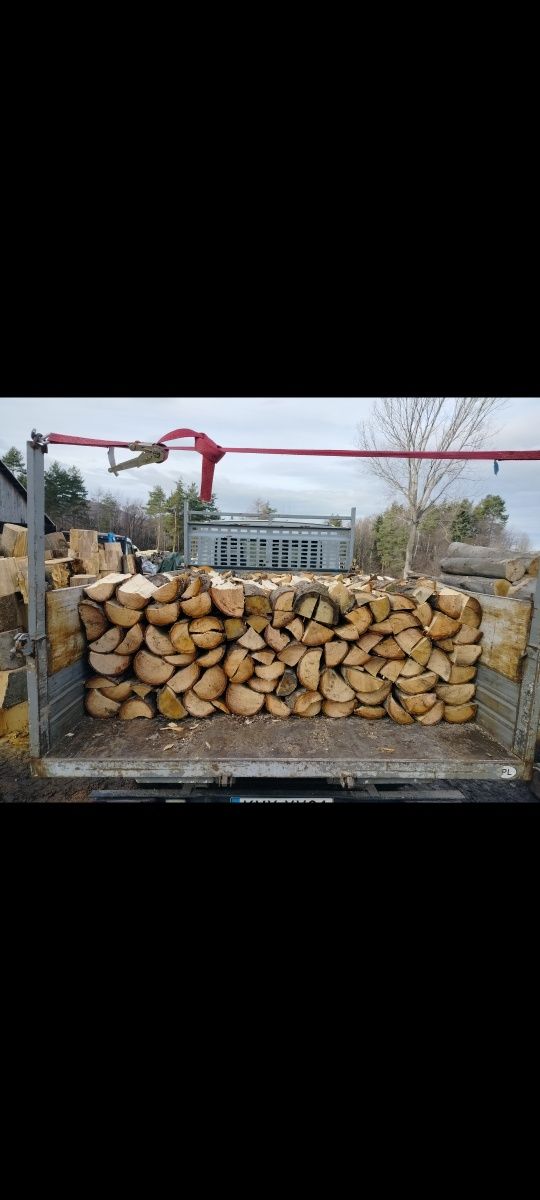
x,y
18,786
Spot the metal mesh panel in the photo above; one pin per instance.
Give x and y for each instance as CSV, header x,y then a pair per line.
x,y
275,547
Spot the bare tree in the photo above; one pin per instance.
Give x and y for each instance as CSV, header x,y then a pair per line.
x,y
424,423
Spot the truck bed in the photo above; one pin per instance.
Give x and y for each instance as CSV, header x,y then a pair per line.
x,y
227,747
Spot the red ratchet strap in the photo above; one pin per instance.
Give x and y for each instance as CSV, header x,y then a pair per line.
x,y
212,453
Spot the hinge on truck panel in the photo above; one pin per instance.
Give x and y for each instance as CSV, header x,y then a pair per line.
x,y
347,781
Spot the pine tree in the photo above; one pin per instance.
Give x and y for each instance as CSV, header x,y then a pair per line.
x,y
156,506
66,498
464,524
13,459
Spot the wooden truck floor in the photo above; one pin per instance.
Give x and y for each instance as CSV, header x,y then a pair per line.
x,y
227,747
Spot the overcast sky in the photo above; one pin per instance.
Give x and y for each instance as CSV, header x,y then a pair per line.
x,y
295,485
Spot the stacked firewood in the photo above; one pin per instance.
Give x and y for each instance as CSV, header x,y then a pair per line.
x,y
198,643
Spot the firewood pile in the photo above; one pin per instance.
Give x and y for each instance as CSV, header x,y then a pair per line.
x,y
200,643
489,570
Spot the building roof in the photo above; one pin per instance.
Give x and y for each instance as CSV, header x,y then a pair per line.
x,y
11,479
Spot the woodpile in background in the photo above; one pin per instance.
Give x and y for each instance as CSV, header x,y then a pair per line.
x,y
196,643
490,570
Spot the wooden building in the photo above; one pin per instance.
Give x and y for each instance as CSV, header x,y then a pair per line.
x,y
13,501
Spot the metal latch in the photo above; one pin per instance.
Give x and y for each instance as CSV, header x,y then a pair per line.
x,y
150,452
24,644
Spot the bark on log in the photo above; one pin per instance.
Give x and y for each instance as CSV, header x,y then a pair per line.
x,y
512,568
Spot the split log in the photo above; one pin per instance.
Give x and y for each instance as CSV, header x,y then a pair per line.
x,y
212,658
296,628
243,701
418,684
335,653
380,607
369,713
369,641
361,618
408,639
457,714
342,596
94,620
466,636
376,698
355,657
316,635
424,613
150,669
157,640
181,638
287,684
181,660
233,658
265,686
374,664
433,716
395,667
360,681
401,603
257,621
221,706
276,707
439,662
229,598
418,705
207,632
397,712
251,640
197,606
390,648
456,693
109,664
282,599
422,651
137,707
409,669
281,619
333,687
109,641
170,705
118,614
264,657
185,678
136,592
465,656
274,671
313,600
211,685
461,674
308,670
197,707
244,672
141,689
98,681
307,704
292,654
118,691
442,627
100,706
234,628
105,588
275,638
165,614
333,708
348,633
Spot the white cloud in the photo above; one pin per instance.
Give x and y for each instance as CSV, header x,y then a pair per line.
x,y
291,484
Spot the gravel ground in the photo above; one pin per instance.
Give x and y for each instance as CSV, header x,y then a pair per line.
x,y
18,786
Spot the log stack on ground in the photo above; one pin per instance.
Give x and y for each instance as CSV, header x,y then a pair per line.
x,y
490,571
198,643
